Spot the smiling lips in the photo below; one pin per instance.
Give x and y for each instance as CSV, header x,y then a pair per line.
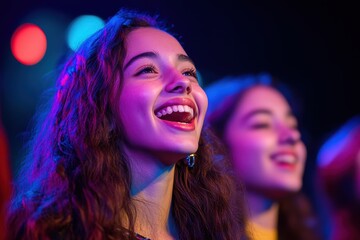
x,y
176,113
285,159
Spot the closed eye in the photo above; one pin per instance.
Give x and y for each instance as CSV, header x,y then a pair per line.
x,y
260,126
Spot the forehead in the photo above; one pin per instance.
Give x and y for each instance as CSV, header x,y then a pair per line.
x,y
146,39
262,97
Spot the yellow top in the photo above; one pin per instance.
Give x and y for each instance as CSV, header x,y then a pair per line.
x,y
257,232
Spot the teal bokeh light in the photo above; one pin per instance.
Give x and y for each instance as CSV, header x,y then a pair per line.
x,y
81,28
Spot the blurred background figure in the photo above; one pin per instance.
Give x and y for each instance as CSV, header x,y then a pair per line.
x,y
255,117
339,181
5,178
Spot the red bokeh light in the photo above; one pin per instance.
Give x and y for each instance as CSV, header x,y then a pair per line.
x,y
28,44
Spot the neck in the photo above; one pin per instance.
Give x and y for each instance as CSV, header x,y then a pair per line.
x,y
262,210
152,188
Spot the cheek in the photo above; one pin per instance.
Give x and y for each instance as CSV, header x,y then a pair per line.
x,y
133,107
302,153
248,153
124,106
245,149
201,99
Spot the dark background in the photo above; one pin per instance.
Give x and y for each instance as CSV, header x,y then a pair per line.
x,y
313,46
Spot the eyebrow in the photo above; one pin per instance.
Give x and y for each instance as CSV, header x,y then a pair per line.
x,y
153,55
255,112
263,111
185,58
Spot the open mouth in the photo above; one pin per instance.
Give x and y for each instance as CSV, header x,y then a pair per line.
x,y
176,113
288,161
284,159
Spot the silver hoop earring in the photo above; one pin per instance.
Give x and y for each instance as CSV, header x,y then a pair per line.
x,y
190,160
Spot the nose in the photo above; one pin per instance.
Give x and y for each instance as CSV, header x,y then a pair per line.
x,y
289,135
179,84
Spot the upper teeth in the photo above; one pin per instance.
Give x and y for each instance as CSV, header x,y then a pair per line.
x,y
175,108
285,159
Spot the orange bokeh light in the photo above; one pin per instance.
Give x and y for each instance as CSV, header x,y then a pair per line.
x,y
28,44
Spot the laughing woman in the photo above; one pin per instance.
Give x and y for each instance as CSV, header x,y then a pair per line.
x,y
121,153
257,124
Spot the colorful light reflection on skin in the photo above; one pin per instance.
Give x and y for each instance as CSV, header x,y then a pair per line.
x,y
264,141
158,76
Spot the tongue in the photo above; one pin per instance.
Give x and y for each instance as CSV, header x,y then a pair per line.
x,y
177,117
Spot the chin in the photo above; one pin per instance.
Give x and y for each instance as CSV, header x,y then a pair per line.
x,y
295,186
290,188
187,148
278,194
279,191
172,157
172,153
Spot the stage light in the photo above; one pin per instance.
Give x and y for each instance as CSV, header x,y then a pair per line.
x,y
28,44
81,28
